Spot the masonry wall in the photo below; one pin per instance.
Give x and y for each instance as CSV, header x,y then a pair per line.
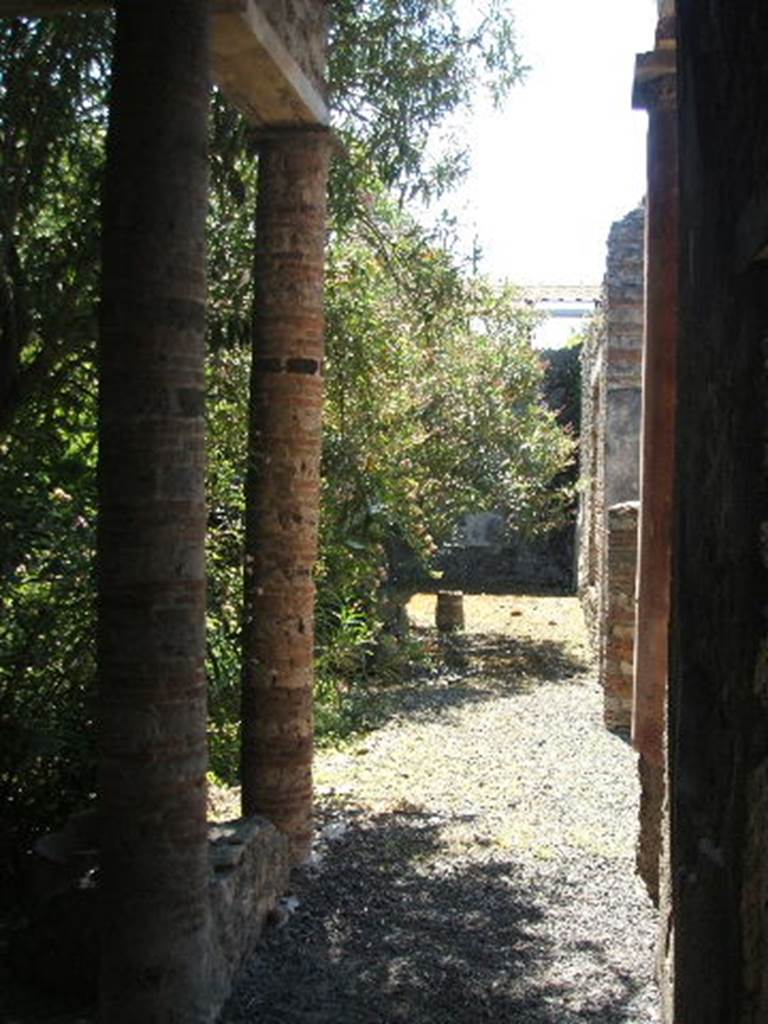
x,y
619,625
718,699
610,452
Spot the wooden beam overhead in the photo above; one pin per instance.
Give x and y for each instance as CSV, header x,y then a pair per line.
x,y
33,8
250,63
256,72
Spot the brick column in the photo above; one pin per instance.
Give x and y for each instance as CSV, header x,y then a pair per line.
x,y
658,95
151,572
283,482
655,91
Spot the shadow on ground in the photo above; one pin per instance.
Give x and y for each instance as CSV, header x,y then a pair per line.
x,y
467,668
387,931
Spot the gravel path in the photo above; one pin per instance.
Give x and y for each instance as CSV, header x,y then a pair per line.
x,y
476,854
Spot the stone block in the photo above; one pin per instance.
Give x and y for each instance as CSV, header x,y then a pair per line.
x,y
250,867
57,951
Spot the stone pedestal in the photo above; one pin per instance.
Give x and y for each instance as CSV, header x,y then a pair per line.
x,y
449,611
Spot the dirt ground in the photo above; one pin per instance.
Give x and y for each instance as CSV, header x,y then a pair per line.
x,y
475,848
475,855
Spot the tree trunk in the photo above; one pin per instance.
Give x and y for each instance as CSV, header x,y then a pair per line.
x,y
151,583
283,483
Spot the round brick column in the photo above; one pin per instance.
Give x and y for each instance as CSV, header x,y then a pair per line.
x,y
656,91
658,417
283,482
151,572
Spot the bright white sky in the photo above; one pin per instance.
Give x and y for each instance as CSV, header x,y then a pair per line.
x,y
566,155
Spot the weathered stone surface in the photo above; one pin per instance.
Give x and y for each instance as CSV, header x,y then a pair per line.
x,y
58,949
655,88
449,610
283,483
649,838
507,561
609,465
718,701
151,525
302,26
250,866
619,610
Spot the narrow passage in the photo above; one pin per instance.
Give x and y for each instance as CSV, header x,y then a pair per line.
x,y
476,854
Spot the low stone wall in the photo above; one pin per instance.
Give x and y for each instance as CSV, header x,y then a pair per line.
x,y
57,951
618,651
250,867
503,563
649,840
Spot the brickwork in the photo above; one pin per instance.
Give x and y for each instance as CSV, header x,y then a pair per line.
x,y
250,869
610,447
151,536
619,627
283,483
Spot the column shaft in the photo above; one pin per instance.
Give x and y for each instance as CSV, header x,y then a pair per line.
x,y
283,483
151,582
658,423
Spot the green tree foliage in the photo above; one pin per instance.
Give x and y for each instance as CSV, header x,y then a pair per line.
x,y
433,408
433,388
52,124
52,127
398,69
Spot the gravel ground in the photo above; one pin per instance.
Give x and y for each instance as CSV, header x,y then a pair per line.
x,y
475,858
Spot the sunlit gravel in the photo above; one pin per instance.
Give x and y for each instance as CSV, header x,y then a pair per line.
x,y
475,855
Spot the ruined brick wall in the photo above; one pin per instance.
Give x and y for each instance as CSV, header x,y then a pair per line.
x,y
610,431
591,505
718,700
619,624
623,303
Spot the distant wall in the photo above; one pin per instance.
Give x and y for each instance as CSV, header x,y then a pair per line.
x,y
488,559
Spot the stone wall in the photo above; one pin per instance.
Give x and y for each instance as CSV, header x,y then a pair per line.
x,y
489,559
610,447
619,626
591,526
58,949
250,867
718,686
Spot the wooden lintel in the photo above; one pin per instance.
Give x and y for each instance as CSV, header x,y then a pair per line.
x,y
35,8
250,63
652,70
254,69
